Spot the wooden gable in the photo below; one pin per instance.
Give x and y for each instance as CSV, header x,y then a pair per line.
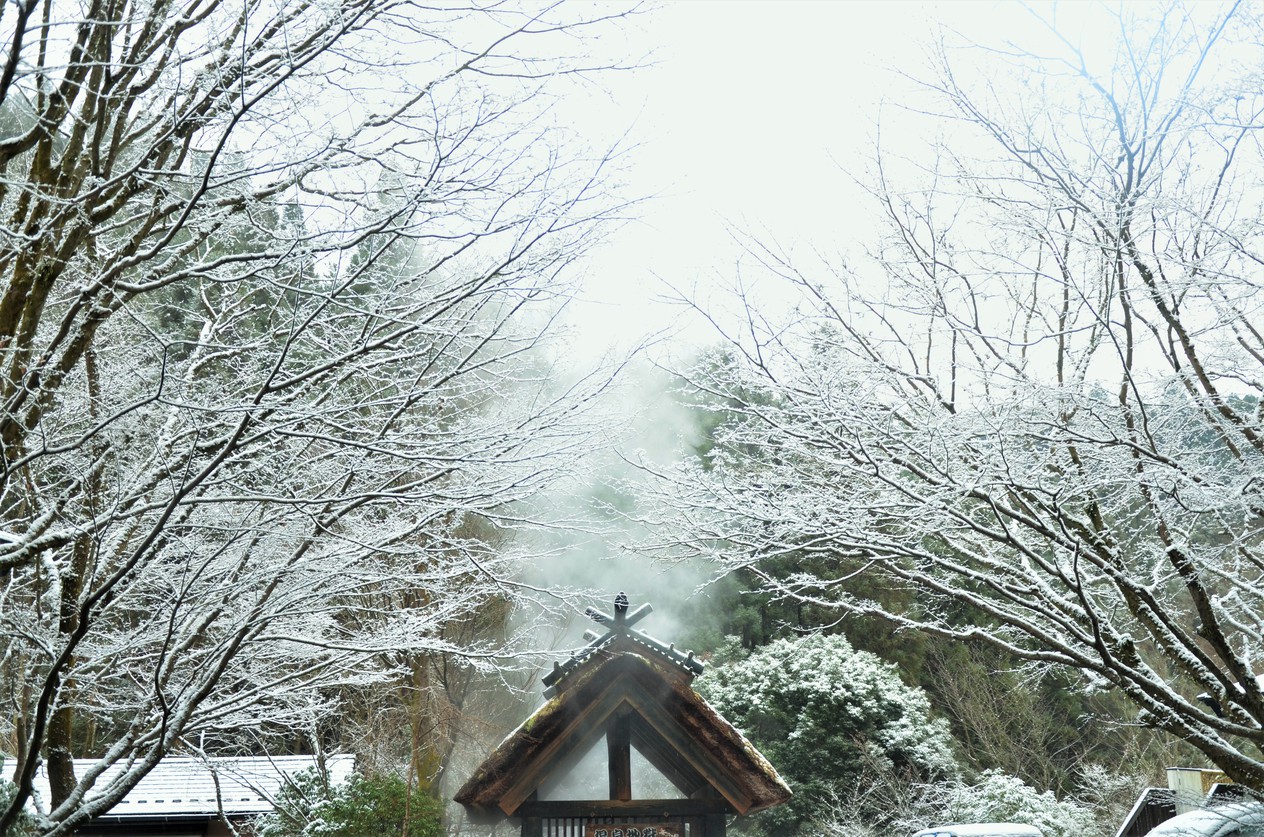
x,y
636,693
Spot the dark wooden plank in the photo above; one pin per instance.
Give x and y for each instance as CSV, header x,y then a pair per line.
x,y
620,808
619,756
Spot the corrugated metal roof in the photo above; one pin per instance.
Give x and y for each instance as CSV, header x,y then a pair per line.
x,y
184,786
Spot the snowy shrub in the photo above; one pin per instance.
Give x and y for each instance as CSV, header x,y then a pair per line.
x,y
364,806
993,796
827,715
999,797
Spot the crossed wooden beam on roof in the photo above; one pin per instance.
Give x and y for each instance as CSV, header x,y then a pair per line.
x,y
620,624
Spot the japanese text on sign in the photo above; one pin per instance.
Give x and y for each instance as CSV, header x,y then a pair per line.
x,y
630,830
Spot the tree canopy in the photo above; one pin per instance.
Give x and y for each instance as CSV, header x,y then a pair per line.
x,y
1033,408
272,278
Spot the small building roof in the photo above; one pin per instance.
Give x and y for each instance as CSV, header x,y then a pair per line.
x,y
679,733
182,786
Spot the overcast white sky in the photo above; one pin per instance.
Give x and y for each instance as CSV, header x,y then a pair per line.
x,y
755,116
752,115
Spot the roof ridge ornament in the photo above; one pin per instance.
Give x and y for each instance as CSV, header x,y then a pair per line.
x,y
620,624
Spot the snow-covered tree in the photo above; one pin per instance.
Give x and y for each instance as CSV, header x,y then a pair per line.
x,y
1036,410
825,715
273,277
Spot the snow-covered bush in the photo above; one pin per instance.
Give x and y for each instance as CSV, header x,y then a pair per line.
x,y
998,797
993,796
363,806
826,715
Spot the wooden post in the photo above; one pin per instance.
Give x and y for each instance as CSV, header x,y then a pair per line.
x,y
619,755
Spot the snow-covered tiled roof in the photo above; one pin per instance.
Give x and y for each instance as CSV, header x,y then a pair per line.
x,y
183,786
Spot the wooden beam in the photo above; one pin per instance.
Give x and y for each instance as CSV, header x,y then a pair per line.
x,y
619,756
633,808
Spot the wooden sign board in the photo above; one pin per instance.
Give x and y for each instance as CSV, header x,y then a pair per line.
x,y
628,829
